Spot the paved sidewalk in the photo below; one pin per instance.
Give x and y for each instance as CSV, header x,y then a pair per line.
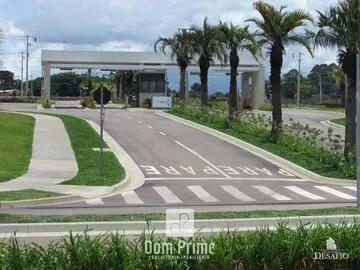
x,y
53,160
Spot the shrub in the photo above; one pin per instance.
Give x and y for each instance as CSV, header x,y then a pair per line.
x,y
266,107
46,104
88,102
147,103
283,248
118,101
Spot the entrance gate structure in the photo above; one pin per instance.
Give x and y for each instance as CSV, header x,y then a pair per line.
x,y
251,70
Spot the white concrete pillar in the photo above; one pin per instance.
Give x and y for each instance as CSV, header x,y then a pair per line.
x,y
47,83
258,82
244,88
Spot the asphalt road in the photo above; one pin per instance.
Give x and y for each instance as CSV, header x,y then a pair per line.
x,y
313,118
185,167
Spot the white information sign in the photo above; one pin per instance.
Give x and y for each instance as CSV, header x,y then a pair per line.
x,y
161,102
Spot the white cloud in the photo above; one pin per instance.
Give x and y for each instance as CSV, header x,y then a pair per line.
x,y
123,25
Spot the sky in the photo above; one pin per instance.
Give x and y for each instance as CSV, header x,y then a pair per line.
x,y
131,25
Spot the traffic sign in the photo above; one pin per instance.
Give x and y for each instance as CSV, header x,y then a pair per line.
x,y
106,96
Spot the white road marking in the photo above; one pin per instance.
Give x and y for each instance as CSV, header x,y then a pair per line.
x,y
233,191
336,192
94,201
202,194
39,107
304,193
162,133
150,127
118,114
269,192
167,195
223,178
139,122
203,159
131,197
353,188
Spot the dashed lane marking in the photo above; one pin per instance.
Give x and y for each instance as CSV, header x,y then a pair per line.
x,y
150,127
140,122
203,159
269,192
95,201
162,133
233,191
131,197
167,195
336,193
202,194
304,193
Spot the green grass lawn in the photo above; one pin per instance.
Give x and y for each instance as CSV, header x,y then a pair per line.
x,y
340,121
83,138
10,218
26,194
16,137
298,158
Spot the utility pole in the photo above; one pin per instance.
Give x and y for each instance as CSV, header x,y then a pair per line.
x,y
299,78
22,74
320,84
358,126
28,44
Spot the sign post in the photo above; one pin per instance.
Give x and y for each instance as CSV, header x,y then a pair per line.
x,y
102,96
358,126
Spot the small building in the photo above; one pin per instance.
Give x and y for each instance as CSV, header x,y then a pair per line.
x,y
149,84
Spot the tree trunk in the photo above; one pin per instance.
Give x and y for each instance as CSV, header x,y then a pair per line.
x,y
233,102
276,60
204,68
182,82
350,127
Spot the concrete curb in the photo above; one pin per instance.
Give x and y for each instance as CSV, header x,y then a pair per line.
x,y
134,176
328,123
201,226
41,201
276,160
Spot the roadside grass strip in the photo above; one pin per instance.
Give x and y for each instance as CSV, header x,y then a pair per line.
x,y
279,247
83,140
26,194
340,121
16,138
14,218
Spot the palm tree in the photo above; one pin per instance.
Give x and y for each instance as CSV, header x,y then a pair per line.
x,y
208,45
236,39
340,78
340,28
116,77
276,30
181,47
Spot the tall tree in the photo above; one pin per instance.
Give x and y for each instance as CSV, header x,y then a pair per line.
x,y
340,28
323,72
182,48
236,39
276,30
116,77
209,46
